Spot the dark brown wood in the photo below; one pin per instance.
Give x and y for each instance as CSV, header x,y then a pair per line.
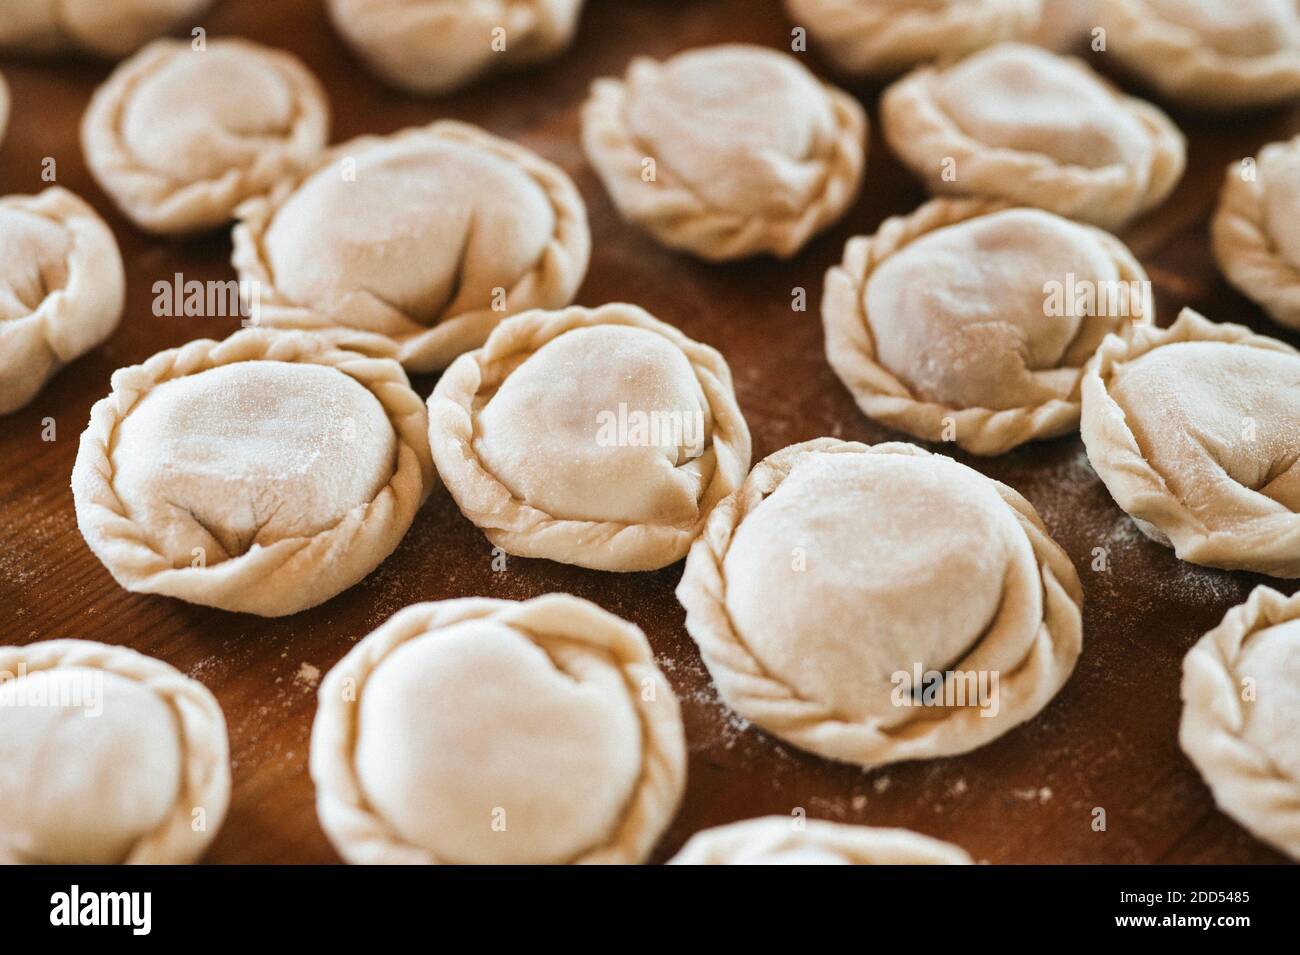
x,y
1109,739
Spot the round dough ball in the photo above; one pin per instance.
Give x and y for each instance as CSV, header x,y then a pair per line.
x,y
435,46
810,595
783,840
1192,429
178,137
61,289
726,151
1209,53
883,37
108,755
262,474
1016,122
1241,715
1256,229
488,731
429,237
110,30
971,322
594,437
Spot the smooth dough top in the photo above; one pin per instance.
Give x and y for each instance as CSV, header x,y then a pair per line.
x,y
242,456
105,29
810,595
783,840
489,731
540,433
726,151
959,314
179,137
108,757
430,237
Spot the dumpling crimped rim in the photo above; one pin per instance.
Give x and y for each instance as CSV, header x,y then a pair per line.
x,y
882,396
922,134
288,575
550,283
1268,543
527,531
745,685
1246,784
200,724
362,836
1246,252
750,840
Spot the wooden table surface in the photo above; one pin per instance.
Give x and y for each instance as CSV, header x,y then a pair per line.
x,y
1108,740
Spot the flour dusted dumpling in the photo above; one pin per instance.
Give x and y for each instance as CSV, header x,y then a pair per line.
x,y
1019,123
971,322
1241,715
178,137
108,756
490,731
726,151
108,29
598,437
262,474
433,46
813,594
61,288
1219,54
881,37
784,840
1256,229
1193,430
429,237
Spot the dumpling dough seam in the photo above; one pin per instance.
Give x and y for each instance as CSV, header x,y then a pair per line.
x,y
1245,782
561,264
1137,487
206,756
809,724
363,837
851,350
253,577
669,206
453,407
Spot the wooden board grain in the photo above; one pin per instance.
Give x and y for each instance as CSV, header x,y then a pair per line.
x,y
1108,740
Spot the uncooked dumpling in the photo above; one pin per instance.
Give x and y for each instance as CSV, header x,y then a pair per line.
x,y
726,151
785,840
108,756
598,437
882,37
812,597
1065,23
61,288
263,474
490,731
1193,430
430,237
178,137
1218,54
1019,123
433,46
1256,230
1241,715
100,27
971,322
